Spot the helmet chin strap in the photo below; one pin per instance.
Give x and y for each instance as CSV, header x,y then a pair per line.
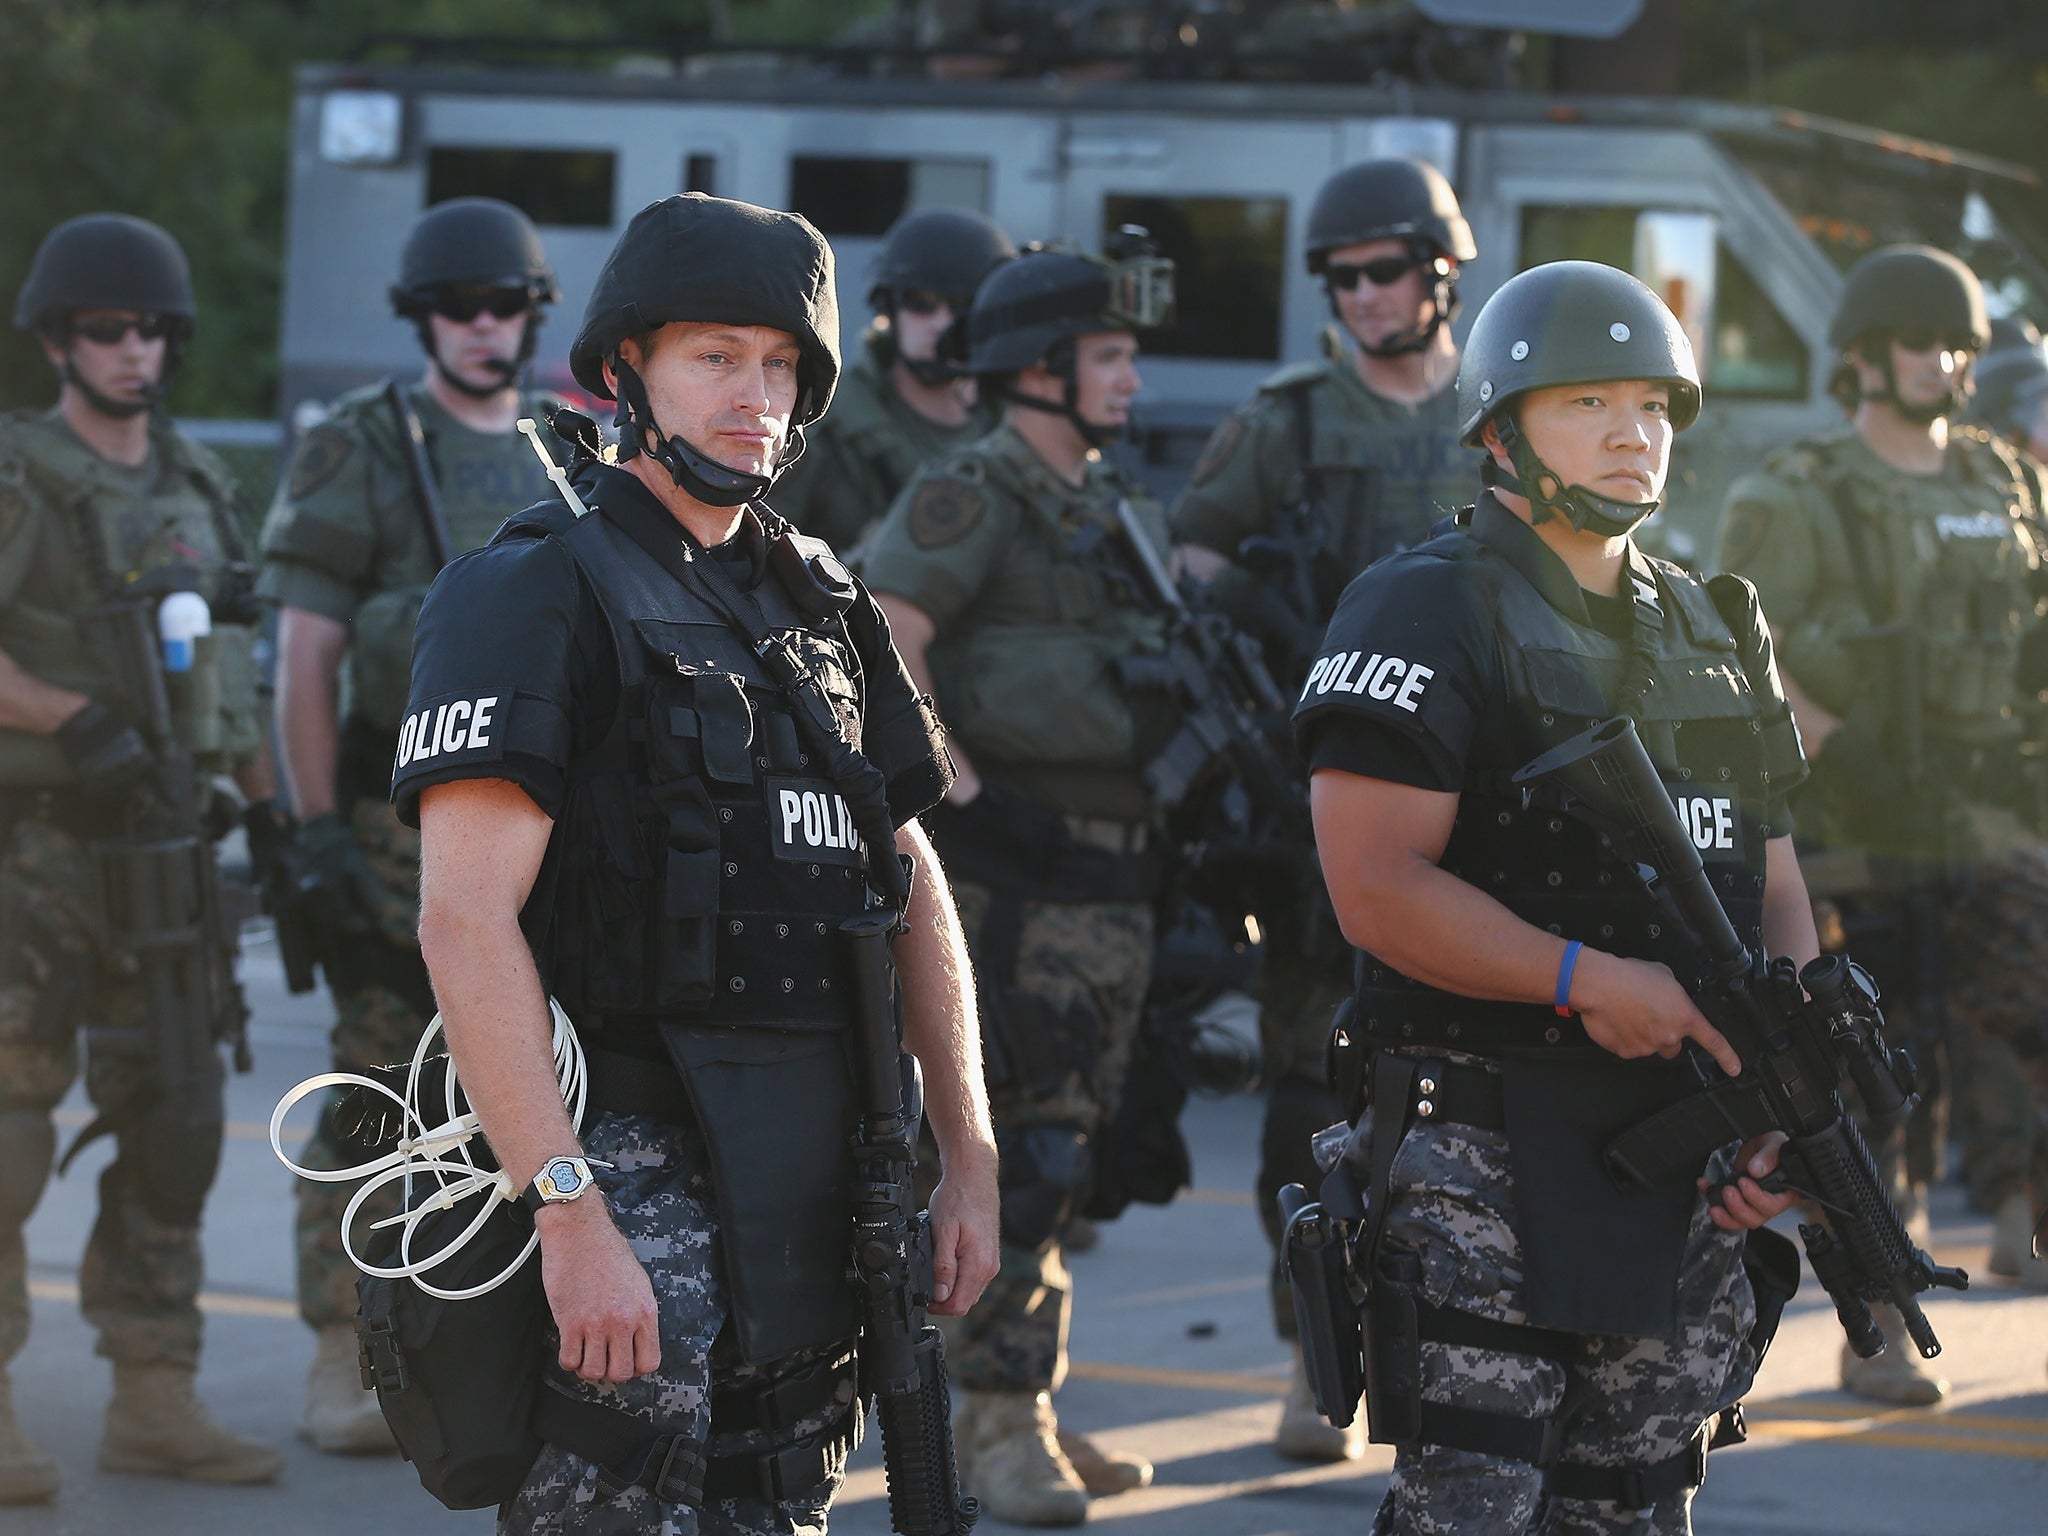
x,y
695,474
1548,496
107,405
1443,303
506,369
1950,404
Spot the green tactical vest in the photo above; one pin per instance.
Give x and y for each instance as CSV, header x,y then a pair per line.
x,y
92,527
1037,699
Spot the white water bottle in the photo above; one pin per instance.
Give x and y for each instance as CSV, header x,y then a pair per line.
x,y
180,620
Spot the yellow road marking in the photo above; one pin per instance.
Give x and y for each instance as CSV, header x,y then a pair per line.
x,y
297,1125
1241,1382
227,1303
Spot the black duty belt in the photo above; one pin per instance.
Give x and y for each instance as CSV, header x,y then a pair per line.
x,y
1457,1093
66,809
635,1085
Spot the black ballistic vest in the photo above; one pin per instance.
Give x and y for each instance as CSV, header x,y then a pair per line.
x,y
699,873
1598,1259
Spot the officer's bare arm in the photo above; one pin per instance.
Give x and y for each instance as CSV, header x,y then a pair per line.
x,y
27,703
1202,563
940,1029
913,630
309,651
1380,843
481,845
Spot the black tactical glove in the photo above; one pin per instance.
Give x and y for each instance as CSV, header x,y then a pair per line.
x,y
363,1121
269,827
107,754
335,884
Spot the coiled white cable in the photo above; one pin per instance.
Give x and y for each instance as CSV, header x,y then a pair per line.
x,y
437,1152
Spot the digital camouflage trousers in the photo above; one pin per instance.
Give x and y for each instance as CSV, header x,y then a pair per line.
x,y
659,1192
1089,964
1632,1400
374,1026
60,974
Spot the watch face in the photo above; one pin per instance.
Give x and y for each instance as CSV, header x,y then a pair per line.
x,y
564,1177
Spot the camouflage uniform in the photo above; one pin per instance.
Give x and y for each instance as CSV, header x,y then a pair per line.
x,y
1016,569
1378,475
659,1193
1452,1205
346,539
1838,543
71,525
863,453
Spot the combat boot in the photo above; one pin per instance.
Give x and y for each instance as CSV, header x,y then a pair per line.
x,y
1305,1435
27,1476
342,1417
1896,1374
1010,1459
157,1427
1102,1472
2012,1244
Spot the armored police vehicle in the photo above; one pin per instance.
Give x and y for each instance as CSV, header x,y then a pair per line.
x,y
1743,217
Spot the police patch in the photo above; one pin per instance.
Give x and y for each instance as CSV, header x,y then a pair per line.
x,y
1742,534
944,510
1219,450
810,823
320,455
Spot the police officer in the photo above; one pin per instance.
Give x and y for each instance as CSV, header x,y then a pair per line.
x,y
1332,465
901,403
2011,379
999,569
601,761
365,516
1515,990
1901,559
101,497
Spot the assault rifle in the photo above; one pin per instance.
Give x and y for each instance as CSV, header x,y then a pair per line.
x,y
1797,1032
1229,697
162,893
902,1356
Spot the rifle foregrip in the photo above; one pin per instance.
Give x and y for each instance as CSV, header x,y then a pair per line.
x,y
917,1451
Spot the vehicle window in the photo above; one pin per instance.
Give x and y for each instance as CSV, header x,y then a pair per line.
x,y
571,187
1752,351
851,195
1228,254
700,174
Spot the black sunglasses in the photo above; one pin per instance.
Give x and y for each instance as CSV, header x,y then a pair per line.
x,y
463,305
1927,341
108,330
923,302
1381,271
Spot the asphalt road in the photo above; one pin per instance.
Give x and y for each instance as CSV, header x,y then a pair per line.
x,y
1174,1356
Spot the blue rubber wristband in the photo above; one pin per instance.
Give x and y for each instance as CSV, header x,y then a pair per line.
x,y
1562,1002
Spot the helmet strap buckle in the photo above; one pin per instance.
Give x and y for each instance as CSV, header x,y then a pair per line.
x,y
1548,495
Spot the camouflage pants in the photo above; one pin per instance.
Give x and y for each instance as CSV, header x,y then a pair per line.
x,y
1087,961
1297,996
659,1191
1997,951
1636,1400
139,1282
374,1026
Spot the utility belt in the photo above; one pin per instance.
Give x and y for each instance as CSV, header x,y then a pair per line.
x,y
1032,853
1364,1318
69,810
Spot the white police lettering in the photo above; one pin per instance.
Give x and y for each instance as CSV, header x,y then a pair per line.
x,y
460,725
1975,525
1376,675
1709,821
812,821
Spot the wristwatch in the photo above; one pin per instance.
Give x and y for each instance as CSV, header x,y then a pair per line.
x,y
560,1180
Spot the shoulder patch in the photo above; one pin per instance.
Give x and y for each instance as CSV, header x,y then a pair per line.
x,y
943,510
318,458
1742,534
1294,376
1219,450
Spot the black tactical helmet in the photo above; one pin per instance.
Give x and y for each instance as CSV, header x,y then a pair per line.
x,y
1569,322
1572,322
947,251
2011,376
692,257
105,261
470,242
1047,296
1392,199
1903,288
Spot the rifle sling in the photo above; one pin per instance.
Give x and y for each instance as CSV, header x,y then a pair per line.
x,y
413,440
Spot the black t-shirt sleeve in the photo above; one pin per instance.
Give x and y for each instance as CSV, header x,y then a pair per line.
x,y
1403,675
494,671
900,730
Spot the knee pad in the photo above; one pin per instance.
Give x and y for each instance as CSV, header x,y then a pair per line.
x,y
169,1164
1045,1169
28,1145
